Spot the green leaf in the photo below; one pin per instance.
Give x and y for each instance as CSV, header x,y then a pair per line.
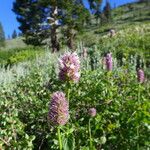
x,y
69,142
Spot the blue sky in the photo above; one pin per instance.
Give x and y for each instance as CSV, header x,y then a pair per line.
x,y
8,18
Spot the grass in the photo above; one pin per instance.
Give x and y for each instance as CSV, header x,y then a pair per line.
x,y
13,56
14,43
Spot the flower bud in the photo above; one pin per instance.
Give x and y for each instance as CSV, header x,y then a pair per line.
x,y
92,112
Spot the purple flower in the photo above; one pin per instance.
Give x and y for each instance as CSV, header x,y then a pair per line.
x,y
58,109
140,75
69,66
109,63
92,112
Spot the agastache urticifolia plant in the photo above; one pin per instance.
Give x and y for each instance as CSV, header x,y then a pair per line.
x,y
140,78
58,112
92,113
69,66
69,69
140,75
109,62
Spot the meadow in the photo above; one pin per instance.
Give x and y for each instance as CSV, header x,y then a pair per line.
x,y
92,99
121,102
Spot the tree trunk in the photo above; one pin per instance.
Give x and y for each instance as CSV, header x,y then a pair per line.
x,y
54,26
54,39
70,37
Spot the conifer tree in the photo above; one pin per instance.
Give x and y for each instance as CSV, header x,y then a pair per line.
x,y
107,11
14,34
30,15
40,19
95,7
2,36
75,15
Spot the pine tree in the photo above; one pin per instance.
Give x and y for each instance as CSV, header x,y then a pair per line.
x,y
14,34
107,11
40,19
95,5
30,15
2,36
74,18
20,34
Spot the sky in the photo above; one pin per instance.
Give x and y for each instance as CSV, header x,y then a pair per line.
x,y
8,18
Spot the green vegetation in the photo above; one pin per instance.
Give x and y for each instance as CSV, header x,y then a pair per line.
x,y
13,56
132,13
2,36
30,75
121,102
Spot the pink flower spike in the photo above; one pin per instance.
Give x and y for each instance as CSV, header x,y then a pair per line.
x,y
69,65
109,63
58,109
140,75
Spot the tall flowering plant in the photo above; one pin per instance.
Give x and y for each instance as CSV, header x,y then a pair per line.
x,y
140,78
58,112
140,75
69,66
92,113
109,62
58,109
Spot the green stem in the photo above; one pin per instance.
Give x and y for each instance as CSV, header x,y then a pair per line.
x,y
138,126
68,94
67,89
138,137
59,138
90,134
139,94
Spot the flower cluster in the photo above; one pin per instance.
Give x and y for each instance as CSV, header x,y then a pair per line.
x,y
140,75
58,109
92,112
109,63
69,66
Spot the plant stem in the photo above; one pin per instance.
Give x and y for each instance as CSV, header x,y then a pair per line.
x,y
68,94
59,138
139,94
138,137
90,134
68,87
138,126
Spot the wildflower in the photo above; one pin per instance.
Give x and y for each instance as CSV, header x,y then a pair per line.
x,y
140,75
92,112
109,64
58,109
69,66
